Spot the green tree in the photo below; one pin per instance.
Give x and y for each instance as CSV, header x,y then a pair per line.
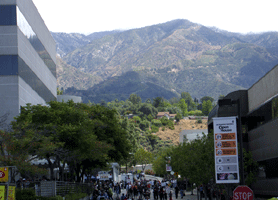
x,y
206,98
144,125
160,161
135,99
148,109
158,102
59,92
206,107
183,107
72,133
195,160
143,157
188,100
178,117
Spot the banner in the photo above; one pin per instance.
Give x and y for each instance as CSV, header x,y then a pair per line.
x,y
225,146
11,193
2,192
168,168
4,174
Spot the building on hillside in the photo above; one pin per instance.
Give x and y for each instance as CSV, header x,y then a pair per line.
x,y
190,135
259,117
162,114
27,59
66,98
165,114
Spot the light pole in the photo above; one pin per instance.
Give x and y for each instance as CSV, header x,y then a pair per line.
x,y
223,102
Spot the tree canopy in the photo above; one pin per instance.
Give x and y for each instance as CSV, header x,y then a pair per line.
x,y
71,132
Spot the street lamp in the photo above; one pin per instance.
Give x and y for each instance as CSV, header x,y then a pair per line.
x,y
223,102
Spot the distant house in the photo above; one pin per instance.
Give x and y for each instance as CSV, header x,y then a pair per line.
x,y
162,114
165,114
172,116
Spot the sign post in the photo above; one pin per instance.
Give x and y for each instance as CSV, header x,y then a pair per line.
x,y
243,193
225,146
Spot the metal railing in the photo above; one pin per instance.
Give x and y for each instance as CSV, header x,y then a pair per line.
x,y
55,188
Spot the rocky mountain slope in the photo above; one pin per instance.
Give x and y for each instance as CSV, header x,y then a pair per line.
x,y
173,57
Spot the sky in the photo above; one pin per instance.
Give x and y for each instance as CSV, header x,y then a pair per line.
x,y
88,16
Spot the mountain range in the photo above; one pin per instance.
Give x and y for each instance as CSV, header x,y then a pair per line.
x,y
162,60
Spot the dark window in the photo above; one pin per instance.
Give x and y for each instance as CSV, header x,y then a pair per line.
x,y
263,114
8,65
7,15
33,81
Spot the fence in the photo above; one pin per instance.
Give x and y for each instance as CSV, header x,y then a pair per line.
x,y
54,188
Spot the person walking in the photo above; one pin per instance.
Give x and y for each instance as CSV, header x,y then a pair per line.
x,y
177,191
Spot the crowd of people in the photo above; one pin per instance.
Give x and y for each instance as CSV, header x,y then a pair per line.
x,y
139,190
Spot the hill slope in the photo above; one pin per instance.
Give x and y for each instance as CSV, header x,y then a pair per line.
x,y
177,56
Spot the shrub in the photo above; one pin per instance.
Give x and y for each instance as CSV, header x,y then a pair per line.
x,y
154,129
199,121
75,196
144,125
156,122
163,128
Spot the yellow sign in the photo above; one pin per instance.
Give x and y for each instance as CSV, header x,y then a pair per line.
x,y
11,193
176,173
2,192
4,174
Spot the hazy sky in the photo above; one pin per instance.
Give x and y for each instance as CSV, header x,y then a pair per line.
x,y
88,16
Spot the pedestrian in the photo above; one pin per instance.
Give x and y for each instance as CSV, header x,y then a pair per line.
x,y
177,191
170,195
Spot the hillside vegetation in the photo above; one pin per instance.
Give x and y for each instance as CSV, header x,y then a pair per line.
x,y
170,58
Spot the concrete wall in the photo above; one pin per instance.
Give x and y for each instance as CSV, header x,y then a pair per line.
x,y
192,134
33,17
36,64
264,89
8,100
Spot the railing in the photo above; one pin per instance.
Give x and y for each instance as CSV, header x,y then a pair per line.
x,y
54,188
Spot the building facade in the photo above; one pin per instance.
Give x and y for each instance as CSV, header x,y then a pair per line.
x,y
259,117
27,59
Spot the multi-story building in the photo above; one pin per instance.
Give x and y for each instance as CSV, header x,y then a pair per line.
x,y
259,116
27,59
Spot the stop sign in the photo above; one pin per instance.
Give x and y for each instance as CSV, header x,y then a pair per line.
x,y
243,193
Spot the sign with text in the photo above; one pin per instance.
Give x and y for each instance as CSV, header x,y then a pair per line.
x,y
2,192
243,192
225,147
4,174
11,193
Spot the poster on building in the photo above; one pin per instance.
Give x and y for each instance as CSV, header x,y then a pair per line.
x,y
2,192
225,147
11,194
4,174
168,168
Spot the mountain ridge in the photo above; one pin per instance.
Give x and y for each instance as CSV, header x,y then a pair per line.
x,y
179,56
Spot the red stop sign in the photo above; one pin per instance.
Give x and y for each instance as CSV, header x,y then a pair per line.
x,y
243,193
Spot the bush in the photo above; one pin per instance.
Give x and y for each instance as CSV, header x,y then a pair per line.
x,y
199,121
75,196
156,122
144,125
163,128
25,194
154,129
